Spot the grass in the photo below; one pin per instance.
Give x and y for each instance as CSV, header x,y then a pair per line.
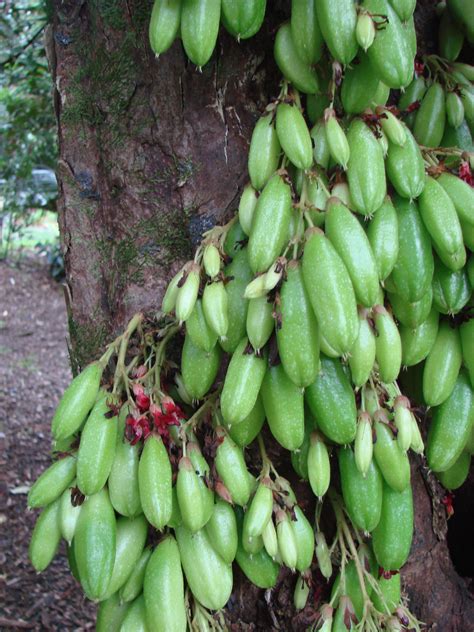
x,y
42,230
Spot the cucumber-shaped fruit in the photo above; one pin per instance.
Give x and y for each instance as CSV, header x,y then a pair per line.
x,y
391,53
199,28
365,30
392,127
68,516
455,476
298,336
123,478
301,593
411,314
286,540
363,444
461,195
305,31
332,402
191,496
211,260
359,85
463,12
337,139
404,8
403,420
154,480
134,584
207,575
97,448
215,308
284,407
352,245
293,135
454,110
222,531
45,537
248,201
273,208
260,322
389,595
171,294
188,293
382,232
258,567
238,275
164,24
76,402
388,346
413,271
451,290
135,617
338,21
319,468
304,537
431,117
362,354
466,332
245,431
198,329
330,292
392,462
243,18
451,426
242,383
52,482
264,152
418,342
362,494
414,92
231,467
405,167
199,368
110,614
442,366
460,137
163,589
321,152
94,544
294,69
260,510
392,537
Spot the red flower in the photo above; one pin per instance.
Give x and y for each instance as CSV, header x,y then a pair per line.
x,y
136,428
168,414
419,67
448,503
465,173
141,398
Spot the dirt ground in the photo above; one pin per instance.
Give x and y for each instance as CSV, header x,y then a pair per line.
x,y
34,371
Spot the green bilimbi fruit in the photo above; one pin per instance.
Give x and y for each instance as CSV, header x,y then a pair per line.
x,y
190,496
169,299
418,342
359,85
403,422
319,468
413,271
305,31
362,355
404,8
299,458
135,617
411,314
284,407
52,482
270,540
211,260
391,53
393,535
240,274
363,444
365,30
440,218
341,190
451,426
260,321
414,92
321,152
131,535
176,518
393,463
256,288
163,589
264,152
362,494
337,139
134,584
258,567
390,594
294,69
273,209
451,290
461,195
338,21
199,29
332,402
405,167
208,576
304,536
188,293
454,109
463,12
442,366
76,402
430,118
154,481
245,432
164,24
123,478
382,232
286,540
198,329
68,516
450,37
222,531
110,614
94,544
231,467
242,383
202,470
215,308
199,369
293,135
330,291
97,447
352,244
323,555
260,510
455,476
301,593
466,332
465,69
248,201
392,126
460,137
388,345
243,18
298,336
45,537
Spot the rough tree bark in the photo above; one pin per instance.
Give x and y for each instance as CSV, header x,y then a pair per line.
x,y
152,153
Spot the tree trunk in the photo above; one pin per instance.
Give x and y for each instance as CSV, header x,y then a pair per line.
x,y
152,154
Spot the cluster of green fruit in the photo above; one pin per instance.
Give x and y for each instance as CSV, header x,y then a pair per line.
x,y
301,312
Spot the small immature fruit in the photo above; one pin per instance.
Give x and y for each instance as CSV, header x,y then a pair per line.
x,y
319,469
304,536
388,346
455,476
393,463
154,480
245,431
405,167
391,592
294,69
164,24
363,445
242,18
188,292
430,118
393,127
134,584
248,201
338,21
466,332
260,509
293,135
461,194
215,308
211,260
260,321
199,368
222,531
264,152
403,422
238,275
231,467
301,594
337,140
442,366
411,314
286,540
362,355
365,31
454,109
45,538
451,290
199,29
382,232
169,299
52,482
135,617
110,614
322,554
190,496
68,516
270,540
